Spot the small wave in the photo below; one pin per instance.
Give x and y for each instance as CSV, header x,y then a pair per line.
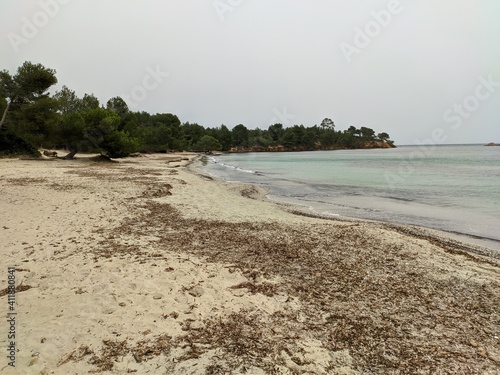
x,y
245,170
216,161
326,213
401,199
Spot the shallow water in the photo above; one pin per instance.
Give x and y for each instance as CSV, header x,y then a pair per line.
x,y
451,188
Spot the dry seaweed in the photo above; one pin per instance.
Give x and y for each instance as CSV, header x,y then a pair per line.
x,y
266,289
157,191
391,315
372,298
25,181
20,288
111,351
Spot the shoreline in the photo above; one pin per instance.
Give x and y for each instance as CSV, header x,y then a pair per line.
x,y
477,244
143,265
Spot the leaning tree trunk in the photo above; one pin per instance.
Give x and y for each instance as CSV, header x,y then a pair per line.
x,y
2,121
72,153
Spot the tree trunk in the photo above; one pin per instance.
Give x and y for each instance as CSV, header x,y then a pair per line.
x,y
4,115
71,154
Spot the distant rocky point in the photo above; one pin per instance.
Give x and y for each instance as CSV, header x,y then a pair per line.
x,y
317,147
493,144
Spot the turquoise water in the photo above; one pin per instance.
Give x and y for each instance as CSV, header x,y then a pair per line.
x,y
452,188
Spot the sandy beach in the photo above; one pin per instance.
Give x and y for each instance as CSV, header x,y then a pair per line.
x,y
145,265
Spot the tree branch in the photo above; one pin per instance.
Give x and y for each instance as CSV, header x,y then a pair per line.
x,y
4,114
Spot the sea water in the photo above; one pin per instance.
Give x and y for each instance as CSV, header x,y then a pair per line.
x,y
451,188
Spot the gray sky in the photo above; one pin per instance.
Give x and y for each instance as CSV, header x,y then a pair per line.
x,y
416,69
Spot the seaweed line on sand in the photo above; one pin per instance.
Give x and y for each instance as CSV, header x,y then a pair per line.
x,y
376,299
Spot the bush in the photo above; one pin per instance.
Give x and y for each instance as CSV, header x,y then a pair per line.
x,y
12,145
118,144
208,143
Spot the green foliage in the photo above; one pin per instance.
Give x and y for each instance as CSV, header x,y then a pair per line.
x,y
157,138
81,124
223,135
276,132
67,101
327,124
289,138
310,137
6,85
95,129
99,122
208,143
29,83
383,136
118,106
3,106
367,133
192,133
156,133
259,137
89,102
31,113
168,119
118,144
37,121
239,135
101,130
329,137
12,145
71,131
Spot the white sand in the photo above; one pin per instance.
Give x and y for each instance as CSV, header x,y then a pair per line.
x,y
57,221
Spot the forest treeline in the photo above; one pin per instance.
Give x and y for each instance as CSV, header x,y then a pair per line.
x,y
33,118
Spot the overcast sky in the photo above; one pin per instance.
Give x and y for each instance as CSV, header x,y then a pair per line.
x,y
416,69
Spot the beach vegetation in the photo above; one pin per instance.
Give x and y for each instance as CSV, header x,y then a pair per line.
x,y
223,135
12,145
240,135
208,143
276,132
192,134
32,116
28,110
327,124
